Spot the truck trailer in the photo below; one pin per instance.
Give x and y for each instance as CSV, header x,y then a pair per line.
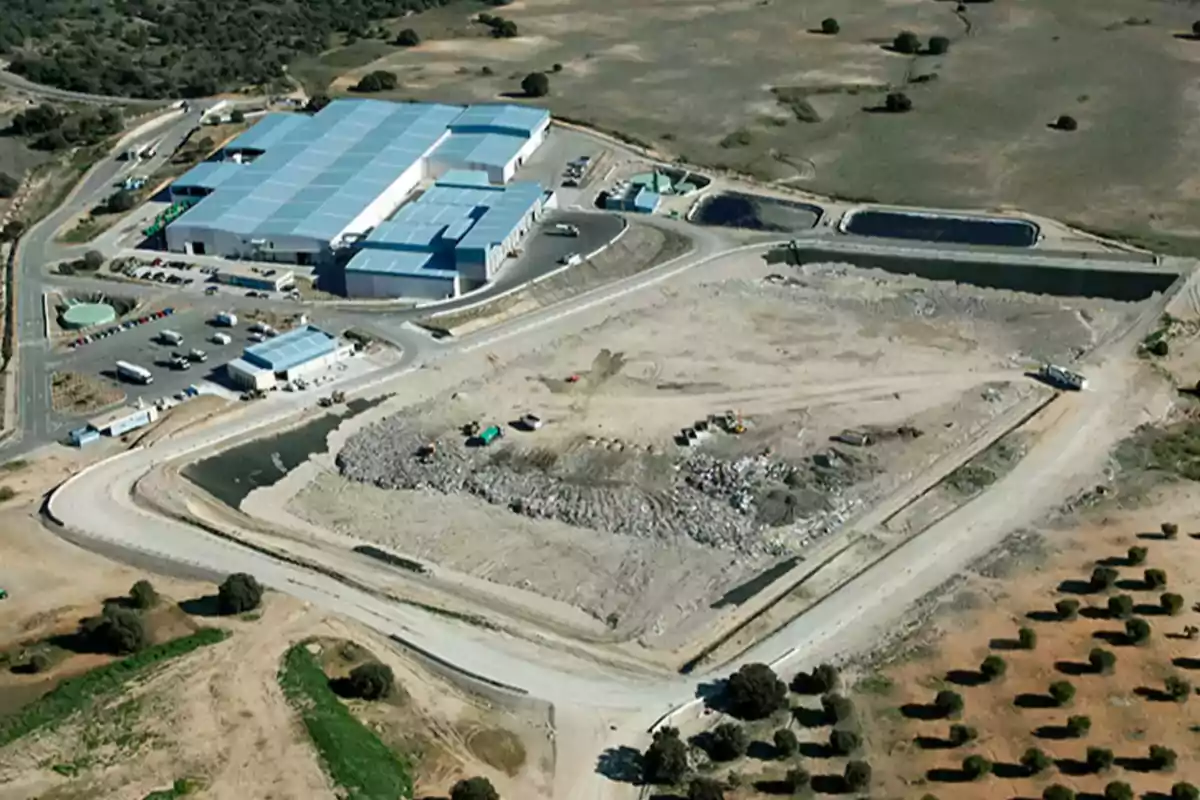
x,y
490,434
1062,378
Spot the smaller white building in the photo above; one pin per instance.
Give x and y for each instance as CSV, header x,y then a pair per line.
x,y
249,377
123,420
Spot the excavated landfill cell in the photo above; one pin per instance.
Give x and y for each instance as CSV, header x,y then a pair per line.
x,y
993,231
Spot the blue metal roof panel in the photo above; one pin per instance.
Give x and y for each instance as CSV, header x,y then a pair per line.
x,y
464,178
268,131
209,174
291,349
502,116
488,149
405,235
389,262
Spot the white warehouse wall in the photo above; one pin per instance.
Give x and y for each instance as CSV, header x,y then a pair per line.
x,y
383,206
374,285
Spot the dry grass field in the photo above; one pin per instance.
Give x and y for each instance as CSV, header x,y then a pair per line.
x,y
718,84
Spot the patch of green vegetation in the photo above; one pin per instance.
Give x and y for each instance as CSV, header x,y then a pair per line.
x,y
875,683
356,759
78,694
1154,241
182,787
315,73
970,479
1173,451
14,465
739,138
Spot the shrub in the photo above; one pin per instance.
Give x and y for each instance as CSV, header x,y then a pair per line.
x,y
474,789
755,692
119,202
1103,579
729,741
1067,609
1028,638
12,230
1196,28
857,775
786,743
38,662
1099,759
1177,689
1185,791
837,708
536,84
117,630
1058,792
962,734
93,260
1066,123
1136,556
993,667
906,42
1079,725
1035,761
705,789
372,681
378,81
8,185
1102,660
666,759
1062,692
1138,630
897,103
237,116
1171,603
798,779
830,26
1155,578
1120,607
142,595
828,677
239,593
1162,758
949,703
556,68
408,38
976,767
938,45
843,742
1118,790
1169,530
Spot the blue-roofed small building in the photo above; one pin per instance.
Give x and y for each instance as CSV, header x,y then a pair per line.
x,y
297,353
297,188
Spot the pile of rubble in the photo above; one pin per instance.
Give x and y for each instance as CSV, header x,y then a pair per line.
x,y
741,505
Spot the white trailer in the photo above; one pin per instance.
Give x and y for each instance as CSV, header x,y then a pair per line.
x,y
171,337
133,373
226,319
1062,377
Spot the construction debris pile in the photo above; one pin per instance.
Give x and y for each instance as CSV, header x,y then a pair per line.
x,y
756,505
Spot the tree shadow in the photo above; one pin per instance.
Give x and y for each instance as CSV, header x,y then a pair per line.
x,y
1076,586
1154,536
1184,662
1134,585
342,688
1156,796
1043,616
1030,700
1094,612
1055,732
1149,610
661,796
1153,695
829,784
1113,561
810,717
207,606
1008,771
621,764
1075,668
75,642
934,743
780,787
1072,766
1005,644
1135,764
816,750
925,711
947,775
966,677
24,668
762,751
714,695
1115,638
124,601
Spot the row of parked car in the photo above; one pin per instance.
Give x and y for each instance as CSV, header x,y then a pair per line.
x,y
121,327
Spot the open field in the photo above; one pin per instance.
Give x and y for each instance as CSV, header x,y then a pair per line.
x,y
74,393
728,85
602,509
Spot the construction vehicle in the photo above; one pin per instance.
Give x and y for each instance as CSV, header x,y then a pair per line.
x,y
1061,377
731,422
490,434
531,422
3,594
426,452
572,379
471,429
338,396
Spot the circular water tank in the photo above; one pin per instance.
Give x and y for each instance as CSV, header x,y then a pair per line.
x,y
86,315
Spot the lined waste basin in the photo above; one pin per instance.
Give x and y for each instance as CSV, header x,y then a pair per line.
x,y
992,231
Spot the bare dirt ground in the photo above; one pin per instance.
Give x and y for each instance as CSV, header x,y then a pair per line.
x,y
733,85
601,509
983,611
76,393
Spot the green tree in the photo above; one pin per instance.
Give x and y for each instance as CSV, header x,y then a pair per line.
x,y
1120,606
755,692
1066,123
993,667
142,595
949,703
474,789
372,681
1099,759
830,26
1171,603
93,260
897,103
798,779
1155,578
1177,689
1035,761
1136,556
8,185
116,630
837,708
239,593
1169,530
1058,792
408,38
857,775
1067,609
665,761
729,741
1185,791
1137,631
377,81
938,45
962,734
705,789
1103,579
1079,725
1162,758
237,116
12,231
1028,638
843,742
906,42
976,767
786,743
120,201
1118,790
1101,660
535,84
1062,692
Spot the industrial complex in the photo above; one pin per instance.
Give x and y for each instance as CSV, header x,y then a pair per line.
x,y
325,189
296,354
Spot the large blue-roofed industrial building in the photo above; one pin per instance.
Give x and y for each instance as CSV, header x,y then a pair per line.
x,y
299,352
310,189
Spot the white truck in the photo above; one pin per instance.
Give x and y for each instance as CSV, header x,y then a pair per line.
x,y
133,373
1062,378
171,337
220,338
564,229
226,319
